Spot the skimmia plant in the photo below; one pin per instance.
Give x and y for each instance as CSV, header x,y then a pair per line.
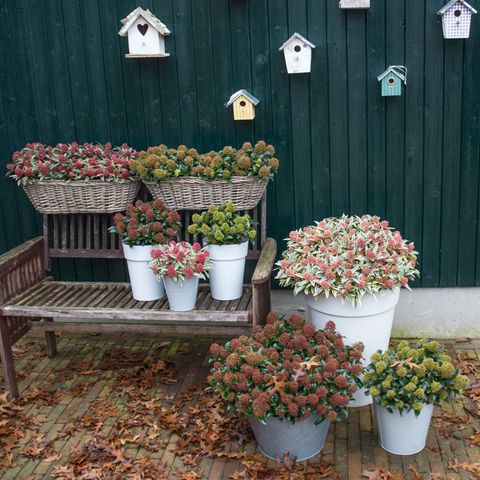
x,y
288,370
347,257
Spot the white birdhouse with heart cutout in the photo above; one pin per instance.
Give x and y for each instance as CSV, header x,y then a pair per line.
x,y
298,54
146,34
456,18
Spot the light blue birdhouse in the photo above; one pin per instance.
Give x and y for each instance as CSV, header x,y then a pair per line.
x,y
391,80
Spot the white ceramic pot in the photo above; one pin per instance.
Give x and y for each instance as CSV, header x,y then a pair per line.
x,y
403,434
181,297
369,323
226,275
145,286
301,440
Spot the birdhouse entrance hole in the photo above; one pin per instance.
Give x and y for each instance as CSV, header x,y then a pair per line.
x,y
297,48
457,13
243,103
391,80
142,28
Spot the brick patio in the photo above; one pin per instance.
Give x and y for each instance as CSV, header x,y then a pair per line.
x,y
106,401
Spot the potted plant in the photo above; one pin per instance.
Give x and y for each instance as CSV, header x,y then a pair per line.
x,y
143,226
351,270
406,382
186,179
226,234
73,178
180,265
289,380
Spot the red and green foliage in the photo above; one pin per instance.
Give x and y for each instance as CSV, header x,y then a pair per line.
x,y
180,261
286,369
347,257
146,223
71,161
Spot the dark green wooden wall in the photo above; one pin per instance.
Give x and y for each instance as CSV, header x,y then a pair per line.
x,y
413,159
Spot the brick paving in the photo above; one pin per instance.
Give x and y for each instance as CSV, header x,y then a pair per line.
x,y
64,395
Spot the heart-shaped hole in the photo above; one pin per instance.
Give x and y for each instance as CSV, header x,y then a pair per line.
x,y
143,28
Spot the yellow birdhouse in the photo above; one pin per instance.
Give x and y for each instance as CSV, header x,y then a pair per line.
x,y
243,105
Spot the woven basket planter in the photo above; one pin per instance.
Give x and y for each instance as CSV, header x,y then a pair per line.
x,y
191,193
94,196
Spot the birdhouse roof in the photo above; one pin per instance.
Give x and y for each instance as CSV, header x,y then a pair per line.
x,y
400,72
246,94
300,37
130,19
452,3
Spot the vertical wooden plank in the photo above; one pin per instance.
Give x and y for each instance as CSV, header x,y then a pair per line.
x,y
469,209
376,141
319,110
395,116
300,121
432,172
414,100
278,33
337,72
357,110
452,137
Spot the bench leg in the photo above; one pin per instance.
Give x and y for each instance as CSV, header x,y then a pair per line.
x,y
262,302
51,342
6,356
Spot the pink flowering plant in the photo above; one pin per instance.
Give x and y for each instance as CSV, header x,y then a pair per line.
x,y
146,223
180,261
71,161
347,257
286,369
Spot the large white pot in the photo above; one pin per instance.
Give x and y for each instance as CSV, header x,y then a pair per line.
x,y
403,434
301,440
181,297
369,323
226,275
145,286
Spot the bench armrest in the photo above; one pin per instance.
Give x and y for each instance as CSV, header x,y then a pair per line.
x,y
264,267
20,268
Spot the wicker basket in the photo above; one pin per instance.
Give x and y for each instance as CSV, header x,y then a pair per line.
x,y
94,196
191,193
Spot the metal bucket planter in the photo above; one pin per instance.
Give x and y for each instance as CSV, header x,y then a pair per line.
x,y
403,434
369,323
226,276
301,440
181,297
145,286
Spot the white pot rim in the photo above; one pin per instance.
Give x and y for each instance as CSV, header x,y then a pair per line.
x,y
232,251
137,253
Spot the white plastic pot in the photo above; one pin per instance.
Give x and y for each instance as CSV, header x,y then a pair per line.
x,y
226,276
369,323
403,434
301,440
145,286
181,297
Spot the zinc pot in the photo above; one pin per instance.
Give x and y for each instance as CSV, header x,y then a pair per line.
x,y
369,323
301,440
145,287
403,434
181,297
226,275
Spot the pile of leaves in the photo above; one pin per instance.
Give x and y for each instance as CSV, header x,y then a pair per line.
x,y
71,161
287,369
160,162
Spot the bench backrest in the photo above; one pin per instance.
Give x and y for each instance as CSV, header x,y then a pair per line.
x,y
85,235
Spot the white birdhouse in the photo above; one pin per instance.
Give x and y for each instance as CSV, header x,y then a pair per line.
x,y
145,34
298,54
244,104
456,18
354,3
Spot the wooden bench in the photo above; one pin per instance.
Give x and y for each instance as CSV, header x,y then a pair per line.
x,y
31,300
